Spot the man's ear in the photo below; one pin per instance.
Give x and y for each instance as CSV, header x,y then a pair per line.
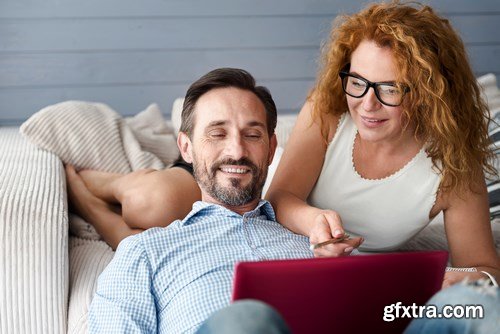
x,y
273,143
185,147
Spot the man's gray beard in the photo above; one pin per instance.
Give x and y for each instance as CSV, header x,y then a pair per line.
x,y
234,195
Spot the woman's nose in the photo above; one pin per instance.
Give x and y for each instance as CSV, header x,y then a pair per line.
x,y
370,101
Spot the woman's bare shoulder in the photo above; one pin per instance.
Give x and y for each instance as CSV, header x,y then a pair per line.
x,y
319,123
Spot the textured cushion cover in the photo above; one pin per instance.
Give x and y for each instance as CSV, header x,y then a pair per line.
x,y
272,170
491,94
88,136
33,238
154,134
87,259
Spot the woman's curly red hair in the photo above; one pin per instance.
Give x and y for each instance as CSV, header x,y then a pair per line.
x,y
443,103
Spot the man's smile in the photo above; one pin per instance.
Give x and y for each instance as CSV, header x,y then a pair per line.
x,y
235,169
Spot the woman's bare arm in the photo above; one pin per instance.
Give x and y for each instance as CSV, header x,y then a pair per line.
x,y
468,230
294,179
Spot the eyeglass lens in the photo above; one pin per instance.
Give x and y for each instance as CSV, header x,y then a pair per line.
x,y
387,94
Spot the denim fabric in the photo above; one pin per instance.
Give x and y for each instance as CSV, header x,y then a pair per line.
x,y
245,317
476,293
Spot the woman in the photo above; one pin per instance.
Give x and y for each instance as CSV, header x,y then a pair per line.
x,y
393,133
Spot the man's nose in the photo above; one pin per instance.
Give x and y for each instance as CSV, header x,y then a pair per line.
x,y
370,100
235,147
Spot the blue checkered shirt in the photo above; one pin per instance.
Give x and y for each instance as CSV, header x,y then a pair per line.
x,y
170,280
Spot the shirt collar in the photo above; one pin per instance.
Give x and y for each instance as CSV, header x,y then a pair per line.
x,y
206,208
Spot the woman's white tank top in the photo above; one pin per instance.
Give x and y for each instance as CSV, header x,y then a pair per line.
x,y
386,212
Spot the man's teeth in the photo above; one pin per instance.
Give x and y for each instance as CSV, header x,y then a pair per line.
x,y
234,170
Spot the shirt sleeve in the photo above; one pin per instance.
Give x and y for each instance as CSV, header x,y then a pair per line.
x,y
124,301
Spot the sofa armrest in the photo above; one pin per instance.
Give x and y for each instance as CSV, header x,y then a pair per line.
x,y
33,238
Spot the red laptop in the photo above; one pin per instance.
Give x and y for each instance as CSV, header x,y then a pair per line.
x,y
342,295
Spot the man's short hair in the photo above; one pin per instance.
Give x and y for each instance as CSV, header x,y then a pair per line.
x,y
222,78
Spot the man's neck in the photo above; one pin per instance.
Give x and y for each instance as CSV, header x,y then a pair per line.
x,y
240,209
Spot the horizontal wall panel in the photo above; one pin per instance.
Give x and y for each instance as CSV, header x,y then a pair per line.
x,y
481,29
172,8
467,7
133,8
21,70
170,34
485,58
200,33
19,104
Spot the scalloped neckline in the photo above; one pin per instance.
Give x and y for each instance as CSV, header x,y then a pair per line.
x,y
385,178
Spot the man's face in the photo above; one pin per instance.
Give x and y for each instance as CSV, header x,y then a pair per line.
x,y
230,148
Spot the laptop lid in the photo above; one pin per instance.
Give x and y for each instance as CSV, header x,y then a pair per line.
x,y
345,294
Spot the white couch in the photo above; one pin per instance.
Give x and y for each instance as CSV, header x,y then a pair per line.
x,y
47,276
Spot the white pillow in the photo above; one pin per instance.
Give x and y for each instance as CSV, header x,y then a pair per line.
x,y
154,134
88,136
93,136
490,92
177,113
272,169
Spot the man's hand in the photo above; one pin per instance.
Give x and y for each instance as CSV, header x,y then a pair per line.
x,y
328,225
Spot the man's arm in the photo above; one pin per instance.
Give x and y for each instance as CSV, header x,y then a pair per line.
x,y
124,302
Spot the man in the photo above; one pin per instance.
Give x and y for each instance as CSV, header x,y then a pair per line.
x,y
172,279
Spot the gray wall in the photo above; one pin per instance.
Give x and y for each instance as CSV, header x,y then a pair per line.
x,y
130,53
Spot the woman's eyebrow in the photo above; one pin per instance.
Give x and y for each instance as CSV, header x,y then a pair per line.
x,y
382,81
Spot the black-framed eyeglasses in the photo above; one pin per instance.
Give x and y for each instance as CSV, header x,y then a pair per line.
x,y
388,93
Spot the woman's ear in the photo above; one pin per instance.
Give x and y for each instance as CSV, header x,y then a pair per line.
x,y
185,147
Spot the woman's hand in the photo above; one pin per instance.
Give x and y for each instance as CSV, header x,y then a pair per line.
x,y
328,225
